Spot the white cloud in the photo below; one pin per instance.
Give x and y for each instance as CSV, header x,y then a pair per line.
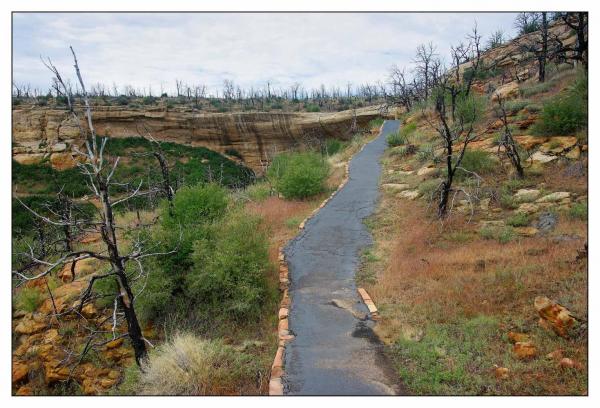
x,y
153,49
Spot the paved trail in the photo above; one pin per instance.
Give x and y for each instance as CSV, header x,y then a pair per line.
x,y
335,351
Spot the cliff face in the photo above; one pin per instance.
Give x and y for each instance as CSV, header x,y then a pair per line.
x,y
40,133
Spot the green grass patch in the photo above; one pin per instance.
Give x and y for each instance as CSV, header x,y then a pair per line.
x,y
396,139
579,211
28,299
518,220
445,360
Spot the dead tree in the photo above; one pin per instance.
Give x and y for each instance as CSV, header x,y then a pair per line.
x,y
508,142
579,23
159,154
423,60
99,172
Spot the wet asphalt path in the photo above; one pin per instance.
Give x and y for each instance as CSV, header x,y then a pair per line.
x,y
335,351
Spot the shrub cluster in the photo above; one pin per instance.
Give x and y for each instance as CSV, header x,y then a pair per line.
x,y
299,175
218,272
566,113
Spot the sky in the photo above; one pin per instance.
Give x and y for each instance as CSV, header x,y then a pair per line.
x,y
151,50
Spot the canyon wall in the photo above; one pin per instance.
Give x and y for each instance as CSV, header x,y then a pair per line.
x,y
40,133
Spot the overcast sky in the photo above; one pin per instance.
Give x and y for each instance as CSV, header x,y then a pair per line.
x,y
153,49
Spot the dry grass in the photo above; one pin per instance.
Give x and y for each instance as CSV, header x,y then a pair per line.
x,y
436,280
188,365
448,297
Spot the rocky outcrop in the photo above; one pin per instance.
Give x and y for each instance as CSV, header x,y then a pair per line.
x,y
44,133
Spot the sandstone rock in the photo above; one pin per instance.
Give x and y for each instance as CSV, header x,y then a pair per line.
x,y
54,373
62,161
29,158
283,313
501,373
491,224
58,147
515,337
540,157
20,371
114,344
28,325
506,91
405,173
529,142
51,336
526,195
395,187
278,131
526,231
558,144
409,194
89,311
570,363
527,208
484,204
24,391
524,350
574,153
555,355
427,171
113,374
557,317
554,197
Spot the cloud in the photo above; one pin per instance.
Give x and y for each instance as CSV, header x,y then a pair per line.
x,y
152,49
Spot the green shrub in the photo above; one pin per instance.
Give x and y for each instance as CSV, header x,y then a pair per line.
x,y
515,106
395,139
313,108
476,161
518,220
122,100
428,187
536,88
188,365
565,113
149,100
333,146
229,272
375,123
258,191
579,211
195,205
28,299
502,234
408,129
299,175
426,152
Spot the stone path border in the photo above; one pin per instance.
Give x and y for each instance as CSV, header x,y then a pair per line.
x,y
283,334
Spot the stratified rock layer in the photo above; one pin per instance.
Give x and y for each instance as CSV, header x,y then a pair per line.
x,y
40,133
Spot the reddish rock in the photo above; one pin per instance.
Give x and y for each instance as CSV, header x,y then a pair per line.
x,y
24,391
501,373
570,363
524,350
554,316
555,355
515,337
20,371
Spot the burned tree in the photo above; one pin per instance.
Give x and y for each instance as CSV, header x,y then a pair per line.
x,y
456,134
99,171
158,152
507,141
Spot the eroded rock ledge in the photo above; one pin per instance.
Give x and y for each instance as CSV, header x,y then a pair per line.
x,y
40,133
